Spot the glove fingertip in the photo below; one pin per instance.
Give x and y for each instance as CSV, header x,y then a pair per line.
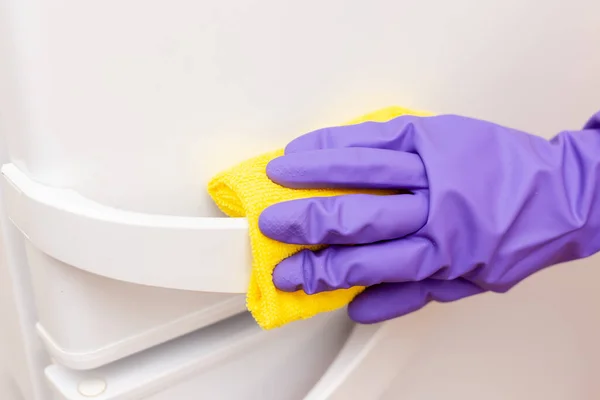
x,y
288,276
275,168
271,223
283,283
377,304
292,172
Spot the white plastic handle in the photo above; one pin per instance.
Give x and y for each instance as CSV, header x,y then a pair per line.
x,y
200,254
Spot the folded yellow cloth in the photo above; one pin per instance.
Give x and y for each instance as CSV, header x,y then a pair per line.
x,y
245,191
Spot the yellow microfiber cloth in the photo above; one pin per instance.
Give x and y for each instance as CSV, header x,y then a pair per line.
x,y
245,191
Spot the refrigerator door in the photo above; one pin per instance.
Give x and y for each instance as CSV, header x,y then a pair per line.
x,y
114,116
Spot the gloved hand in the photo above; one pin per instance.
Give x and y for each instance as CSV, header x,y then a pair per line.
x,y
489,207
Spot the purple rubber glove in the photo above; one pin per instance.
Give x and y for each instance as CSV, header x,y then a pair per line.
x,y
488,206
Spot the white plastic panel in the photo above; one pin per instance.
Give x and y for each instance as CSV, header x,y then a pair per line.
x,y
232,360
86,320
536,342
22,357
21,354
370,361
137,103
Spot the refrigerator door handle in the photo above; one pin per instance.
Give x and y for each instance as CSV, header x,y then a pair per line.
x,y
186,253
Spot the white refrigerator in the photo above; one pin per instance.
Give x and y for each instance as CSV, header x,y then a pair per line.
x,y
120,280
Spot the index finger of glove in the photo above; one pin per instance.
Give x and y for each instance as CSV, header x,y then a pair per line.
x,y
394,134
349,168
